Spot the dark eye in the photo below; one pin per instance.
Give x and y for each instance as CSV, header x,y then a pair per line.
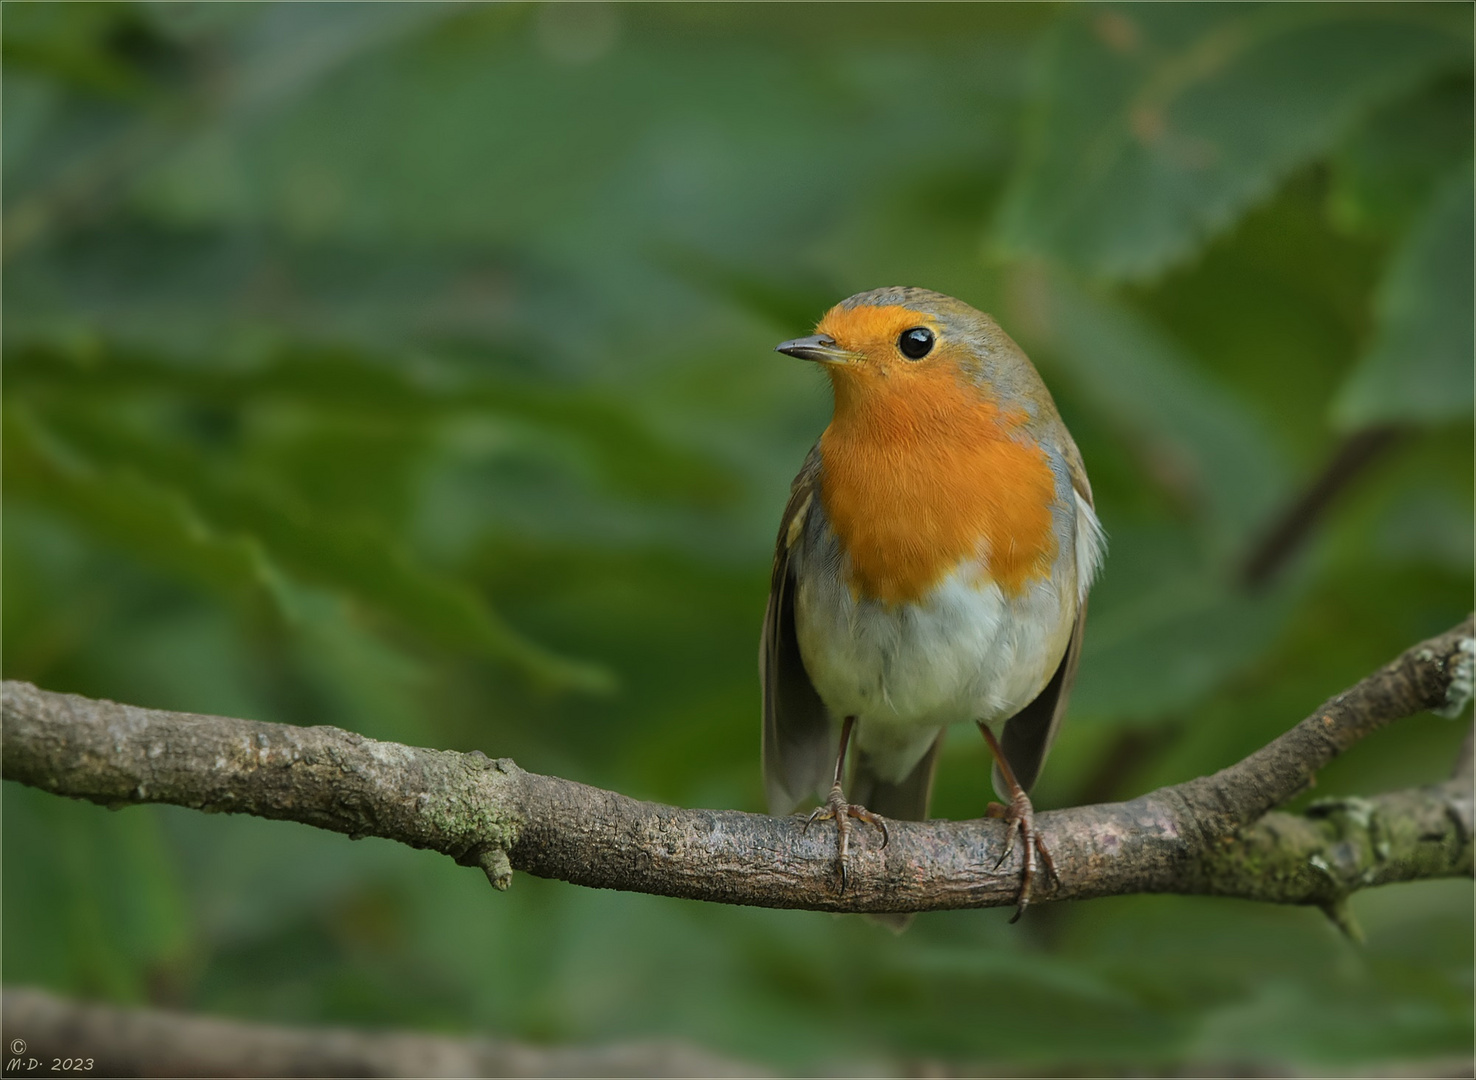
x,y
916,343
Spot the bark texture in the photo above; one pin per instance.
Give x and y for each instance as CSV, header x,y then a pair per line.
x,y
1212,835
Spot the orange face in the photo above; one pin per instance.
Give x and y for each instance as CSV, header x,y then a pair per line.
x,y
923,467
873,333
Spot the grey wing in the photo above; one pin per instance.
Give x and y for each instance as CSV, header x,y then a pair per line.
x,y
797,741
1028,735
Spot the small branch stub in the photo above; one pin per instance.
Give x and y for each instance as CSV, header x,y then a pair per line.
x,y
495,863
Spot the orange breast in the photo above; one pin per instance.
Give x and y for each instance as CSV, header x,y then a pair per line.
x,y
922,472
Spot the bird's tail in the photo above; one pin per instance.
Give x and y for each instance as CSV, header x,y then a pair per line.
x,y
906,800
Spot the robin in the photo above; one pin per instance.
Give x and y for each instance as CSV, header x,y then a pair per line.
x,y
932,568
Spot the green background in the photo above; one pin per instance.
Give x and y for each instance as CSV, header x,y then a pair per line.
x,y
408,368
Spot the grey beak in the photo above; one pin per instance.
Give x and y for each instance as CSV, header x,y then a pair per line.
x,y
818,347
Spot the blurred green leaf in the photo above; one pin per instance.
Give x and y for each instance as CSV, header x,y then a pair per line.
x,y
154,521
1193,436
358,558
92,46
1275,309
1161,123
341,381
1384,175
1420,366
786,298
1166,630
290,47
108,886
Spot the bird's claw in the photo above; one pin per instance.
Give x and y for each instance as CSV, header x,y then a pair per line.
x,y
1019,816
837,809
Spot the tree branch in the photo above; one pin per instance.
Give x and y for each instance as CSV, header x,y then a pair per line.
x,y
1211,835
156,1042
132,1041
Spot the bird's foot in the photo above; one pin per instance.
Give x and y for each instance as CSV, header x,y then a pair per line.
x,y
1020,817
840,811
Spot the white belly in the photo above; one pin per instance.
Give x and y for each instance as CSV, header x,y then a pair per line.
x,y
967,652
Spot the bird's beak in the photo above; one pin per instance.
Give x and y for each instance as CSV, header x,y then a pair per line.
x,y
818,347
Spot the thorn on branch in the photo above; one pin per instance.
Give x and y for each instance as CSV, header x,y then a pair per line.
x,y
1341,915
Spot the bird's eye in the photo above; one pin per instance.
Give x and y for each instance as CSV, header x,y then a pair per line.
x,y
916,343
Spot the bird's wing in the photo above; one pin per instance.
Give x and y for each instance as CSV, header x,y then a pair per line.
x,y
797,744
1028,735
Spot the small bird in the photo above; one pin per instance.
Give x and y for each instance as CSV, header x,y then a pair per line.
x,y
932,568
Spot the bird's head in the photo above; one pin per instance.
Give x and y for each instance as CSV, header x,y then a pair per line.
x,y
902,350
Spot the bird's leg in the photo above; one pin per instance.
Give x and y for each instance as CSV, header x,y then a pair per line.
x,y
1020,817
840,811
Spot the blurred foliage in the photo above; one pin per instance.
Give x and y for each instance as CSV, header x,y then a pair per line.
x,y
407,368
